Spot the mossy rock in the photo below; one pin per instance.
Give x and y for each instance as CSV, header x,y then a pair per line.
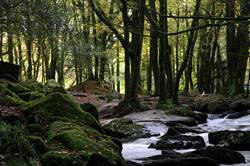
x,y
185,112
8,97
32,85
61,158
15,87
58,106
9,100
85,139
90,108
52,86
28,96
125,129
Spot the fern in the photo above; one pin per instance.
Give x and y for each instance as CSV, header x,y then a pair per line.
x,y
13,141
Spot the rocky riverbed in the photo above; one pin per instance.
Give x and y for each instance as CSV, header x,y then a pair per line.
x,y
172,142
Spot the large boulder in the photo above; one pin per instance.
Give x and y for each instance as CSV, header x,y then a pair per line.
x,y
184,129
221,155
213,104
236,140
186,112
7,96
240,105
58,106
125,129
85,141
177,141
171,158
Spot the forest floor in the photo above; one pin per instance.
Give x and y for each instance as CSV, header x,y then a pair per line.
x,y
106,100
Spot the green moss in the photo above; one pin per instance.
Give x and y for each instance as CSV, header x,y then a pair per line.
x,y
84,139
52,86
27,96
90,108
59,106
9,97
123,127
9,100
32,85
61,158
17,87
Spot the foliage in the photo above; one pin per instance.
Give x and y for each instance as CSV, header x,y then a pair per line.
x,y
13,141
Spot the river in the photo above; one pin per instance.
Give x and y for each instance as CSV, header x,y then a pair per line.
x,y
154,120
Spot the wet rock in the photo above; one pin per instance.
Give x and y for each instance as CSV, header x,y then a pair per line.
x,y
237,115
184,129
125,129
177,159
236,140
221,155
186,112
188,121
107,110
211,104
177,141
240,105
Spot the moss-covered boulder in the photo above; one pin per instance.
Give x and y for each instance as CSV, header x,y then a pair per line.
x,y
61,158
58,106
85,140
125,129
52,86
90,108
28,96
12,101
8,97
186,112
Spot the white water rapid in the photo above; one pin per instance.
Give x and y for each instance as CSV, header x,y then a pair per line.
x,y
138,149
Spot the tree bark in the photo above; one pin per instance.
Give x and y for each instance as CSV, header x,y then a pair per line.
x,y
162,51
154,48
188,53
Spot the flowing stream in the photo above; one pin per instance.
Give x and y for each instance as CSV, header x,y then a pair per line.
x,y
138,149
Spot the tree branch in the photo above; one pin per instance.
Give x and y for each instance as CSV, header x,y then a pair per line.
x,y
102,16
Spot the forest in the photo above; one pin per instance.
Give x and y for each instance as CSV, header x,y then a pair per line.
x,y
124,82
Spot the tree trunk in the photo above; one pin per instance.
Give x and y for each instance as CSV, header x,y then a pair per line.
x,y
1,45
149,73
118,68
95,46
188,52
231,47
29,53
162,51
154,49
243,49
